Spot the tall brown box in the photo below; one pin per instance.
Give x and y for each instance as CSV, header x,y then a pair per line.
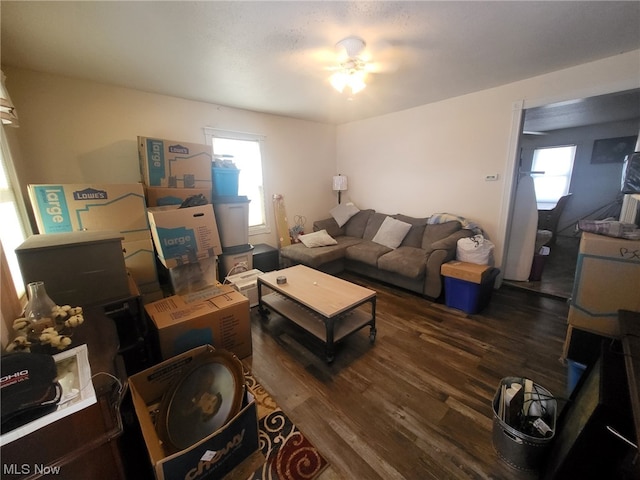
x,y
78,268
607,280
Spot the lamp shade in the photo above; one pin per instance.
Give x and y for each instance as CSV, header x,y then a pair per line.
x,y
339,183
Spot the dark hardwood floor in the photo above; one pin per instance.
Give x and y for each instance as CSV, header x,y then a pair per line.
x,y
558,271
417,403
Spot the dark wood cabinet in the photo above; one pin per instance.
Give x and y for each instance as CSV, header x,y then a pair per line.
x,y
83,445
600,423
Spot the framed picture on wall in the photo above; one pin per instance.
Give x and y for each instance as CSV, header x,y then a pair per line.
x,y
612,150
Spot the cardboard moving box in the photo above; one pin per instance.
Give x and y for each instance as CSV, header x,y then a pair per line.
x,y
184,235
222,320
140,260
169,163
212,457
67,208
607,280
470,272
194,277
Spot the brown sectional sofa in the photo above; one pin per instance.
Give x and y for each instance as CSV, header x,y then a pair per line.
x,y
414,265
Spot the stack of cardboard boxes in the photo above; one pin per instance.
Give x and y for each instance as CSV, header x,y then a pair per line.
x,y
200,313
187,243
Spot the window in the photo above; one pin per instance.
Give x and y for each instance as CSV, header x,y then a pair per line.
x,y
12,228
556,165
245,149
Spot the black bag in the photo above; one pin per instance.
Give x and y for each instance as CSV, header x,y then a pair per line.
x,y
28,388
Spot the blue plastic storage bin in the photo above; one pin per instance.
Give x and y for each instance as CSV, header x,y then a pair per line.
x,y
468,296
225,182
574,372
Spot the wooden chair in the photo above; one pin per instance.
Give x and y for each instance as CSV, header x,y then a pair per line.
x,y
548,219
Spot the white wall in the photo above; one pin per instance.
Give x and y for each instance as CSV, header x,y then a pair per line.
x,y
434,158
420,161
74,131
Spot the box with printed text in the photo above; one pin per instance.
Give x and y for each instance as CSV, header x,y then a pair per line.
x,y
220,318
140,260
64,208
184,235
231,447
169,163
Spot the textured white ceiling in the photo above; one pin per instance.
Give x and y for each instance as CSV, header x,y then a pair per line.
x,y
273,56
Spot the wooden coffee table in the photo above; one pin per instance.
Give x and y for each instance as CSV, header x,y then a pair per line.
x,y
328,307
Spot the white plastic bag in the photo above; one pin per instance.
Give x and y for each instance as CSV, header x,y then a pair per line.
x,y
476,249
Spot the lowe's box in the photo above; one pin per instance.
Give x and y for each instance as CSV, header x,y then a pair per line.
x,y
218,317
184,235
64,208
216,455
140,260
169,163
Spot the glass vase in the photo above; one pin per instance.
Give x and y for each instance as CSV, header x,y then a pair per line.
x,y
39,309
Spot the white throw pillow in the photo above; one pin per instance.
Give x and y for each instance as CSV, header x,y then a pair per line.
x,y
343,212
317,239
391,232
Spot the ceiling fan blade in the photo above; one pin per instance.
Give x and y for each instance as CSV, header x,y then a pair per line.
x,y
381,67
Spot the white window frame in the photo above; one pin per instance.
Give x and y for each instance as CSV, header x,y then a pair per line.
x,y
10,193
542,175
210,133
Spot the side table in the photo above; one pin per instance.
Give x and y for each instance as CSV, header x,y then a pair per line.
x,y
265,257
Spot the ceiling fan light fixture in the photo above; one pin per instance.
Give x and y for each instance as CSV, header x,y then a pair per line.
x,y
352,70
352,45
339,81
351,79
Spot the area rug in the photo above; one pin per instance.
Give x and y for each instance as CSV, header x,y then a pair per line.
x,y
289,454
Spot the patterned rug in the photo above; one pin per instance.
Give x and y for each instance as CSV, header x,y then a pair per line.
x,y
289,454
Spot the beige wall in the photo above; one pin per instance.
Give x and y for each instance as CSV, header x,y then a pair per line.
x,y
434,158
74,131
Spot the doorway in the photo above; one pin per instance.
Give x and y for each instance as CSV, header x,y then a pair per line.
x,y
595,185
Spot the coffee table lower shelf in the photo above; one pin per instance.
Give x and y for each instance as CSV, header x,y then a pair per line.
x,y
329,330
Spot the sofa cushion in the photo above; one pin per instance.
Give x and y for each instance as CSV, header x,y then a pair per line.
x,y
316,257
391,232
317,239
330,225
356,224
406,261
343,212
438,231
373,225
414,237
366,252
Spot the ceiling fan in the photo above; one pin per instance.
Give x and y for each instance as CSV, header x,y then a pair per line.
x,y
354,65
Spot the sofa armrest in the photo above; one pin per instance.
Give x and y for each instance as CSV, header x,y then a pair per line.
x,y
450,242
432,278
441,251
330,225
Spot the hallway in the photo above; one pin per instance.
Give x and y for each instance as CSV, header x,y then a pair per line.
x,y
558,271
